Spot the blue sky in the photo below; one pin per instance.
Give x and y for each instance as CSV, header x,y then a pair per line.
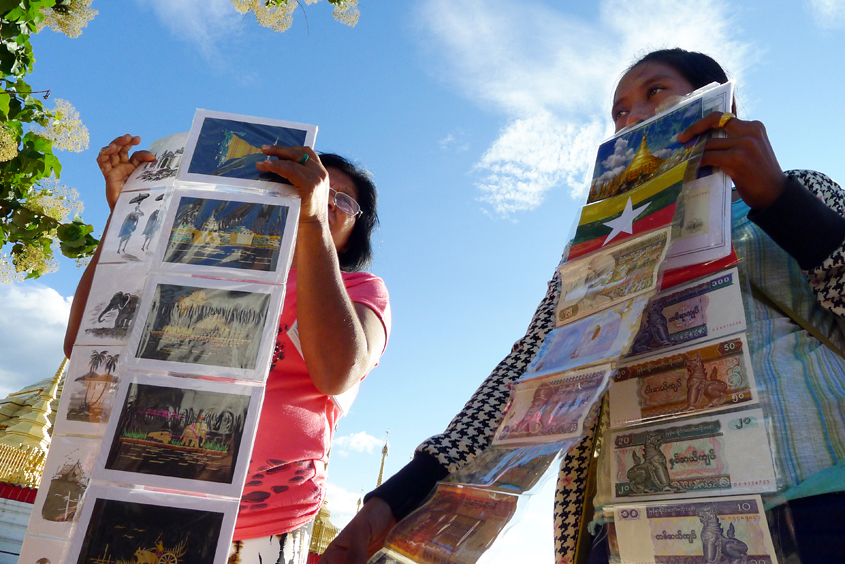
x,y
479,119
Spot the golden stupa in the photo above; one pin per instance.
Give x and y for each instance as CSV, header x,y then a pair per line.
x,y
26,422
641,168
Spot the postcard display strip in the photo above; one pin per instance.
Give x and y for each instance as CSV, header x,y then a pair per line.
x,y
687,439
164,388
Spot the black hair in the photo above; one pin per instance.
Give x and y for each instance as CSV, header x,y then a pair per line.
x,y
358,252
697,68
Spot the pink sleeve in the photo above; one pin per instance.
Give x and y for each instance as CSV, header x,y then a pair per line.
x,y
369,290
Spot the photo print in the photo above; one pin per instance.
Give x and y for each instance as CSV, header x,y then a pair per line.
x,y
112,303
167,431
227,146
168,152
133,234
120,525
40,550
206,327
89,390
67,473
232,235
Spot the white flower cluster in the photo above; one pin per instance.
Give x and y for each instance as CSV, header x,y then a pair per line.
x,y
278,14
68,17
65,129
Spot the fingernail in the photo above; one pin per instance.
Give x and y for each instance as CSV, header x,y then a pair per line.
x,y
265,147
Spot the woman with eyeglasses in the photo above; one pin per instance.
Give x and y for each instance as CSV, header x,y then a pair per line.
x,y
334,326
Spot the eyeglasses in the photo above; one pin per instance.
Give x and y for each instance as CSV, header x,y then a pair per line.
x,y
345,203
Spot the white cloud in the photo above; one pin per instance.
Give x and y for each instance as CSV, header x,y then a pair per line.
x,y
32,328
550,76
357,442
456,141
342,504
205,23
828,14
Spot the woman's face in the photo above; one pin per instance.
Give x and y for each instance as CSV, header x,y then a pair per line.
x,y
644,89
341,224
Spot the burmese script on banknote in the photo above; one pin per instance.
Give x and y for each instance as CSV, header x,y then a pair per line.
x,y
599,338
514,469
455,526
712,376
723,530
553,407
724,454
610,276
707,308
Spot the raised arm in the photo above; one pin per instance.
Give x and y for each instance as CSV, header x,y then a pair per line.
x,y
341,340
116,165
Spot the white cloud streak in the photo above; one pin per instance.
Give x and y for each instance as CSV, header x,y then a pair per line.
x,y
206,23
32,328
828,14
550,76
357,442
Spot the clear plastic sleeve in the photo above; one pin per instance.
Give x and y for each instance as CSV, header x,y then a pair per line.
x,y
600,338
181,434
456,525
37,549
611,276
198,326
88,392
227,146
134,525
701,456
67,473
707,308
112,305
228,233
168,152
711,376
511,469
551,408
136,226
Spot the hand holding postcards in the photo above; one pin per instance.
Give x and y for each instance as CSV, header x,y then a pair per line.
x,y
165,383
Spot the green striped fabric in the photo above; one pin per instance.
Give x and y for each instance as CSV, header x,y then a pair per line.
x,y
802,382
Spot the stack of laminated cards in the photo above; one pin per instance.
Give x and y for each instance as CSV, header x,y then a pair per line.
x,y
685,419
161,401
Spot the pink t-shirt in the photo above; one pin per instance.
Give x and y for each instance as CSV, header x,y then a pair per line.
x,y
285,485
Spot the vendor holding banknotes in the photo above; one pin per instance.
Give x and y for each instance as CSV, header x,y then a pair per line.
x,y
788,230
343,318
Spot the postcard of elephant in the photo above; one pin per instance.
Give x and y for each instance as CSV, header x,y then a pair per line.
x,y
231,235
67,472
112,304
181,434
205,327
147,527
89,390
134,230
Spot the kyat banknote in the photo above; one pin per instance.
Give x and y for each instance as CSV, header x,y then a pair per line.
x,y
611,276
726,530
708,308
514,469
553,407
456,526
600,338
725,454
708,377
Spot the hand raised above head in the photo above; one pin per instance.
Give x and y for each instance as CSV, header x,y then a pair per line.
x,y
745,155
302,167
116,164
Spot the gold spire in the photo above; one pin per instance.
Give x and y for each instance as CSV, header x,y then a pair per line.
x,y
323,532
33,429
383,458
